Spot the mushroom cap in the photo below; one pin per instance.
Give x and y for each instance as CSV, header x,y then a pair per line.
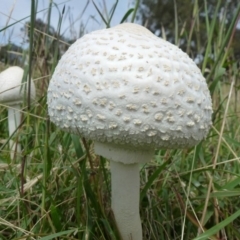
x,y
124,85
11,86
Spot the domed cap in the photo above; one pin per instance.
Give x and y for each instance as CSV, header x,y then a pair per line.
x,y
124,85
11,86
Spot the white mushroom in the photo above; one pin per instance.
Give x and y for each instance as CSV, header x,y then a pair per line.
x,y
12,95
142,92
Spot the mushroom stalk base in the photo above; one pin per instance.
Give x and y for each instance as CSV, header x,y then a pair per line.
x,y
14,119
125,183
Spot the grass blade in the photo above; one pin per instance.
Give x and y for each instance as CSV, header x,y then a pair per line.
x,y
127,14
59,234
151,180
210,232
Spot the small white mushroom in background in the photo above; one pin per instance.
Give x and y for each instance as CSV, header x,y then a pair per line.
x,y
143,93
12,95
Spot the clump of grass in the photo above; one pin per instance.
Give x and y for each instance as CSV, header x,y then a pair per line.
x,y
58,189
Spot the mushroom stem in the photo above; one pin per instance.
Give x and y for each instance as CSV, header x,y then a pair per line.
x,y
14,119
125,179
125,182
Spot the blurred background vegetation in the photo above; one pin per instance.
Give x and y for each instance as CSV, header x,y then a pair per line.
x,y
159,17
58,189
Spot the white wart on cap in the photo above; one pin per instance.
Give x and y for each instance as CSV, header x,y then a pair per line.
x,y
126,86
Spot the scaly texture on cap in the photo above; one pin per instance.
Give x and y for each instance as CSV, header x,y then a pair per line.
x,y
11,86
126,86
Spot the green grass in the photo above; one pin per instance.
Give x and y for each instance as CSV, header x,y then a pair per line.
x,y
58,189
